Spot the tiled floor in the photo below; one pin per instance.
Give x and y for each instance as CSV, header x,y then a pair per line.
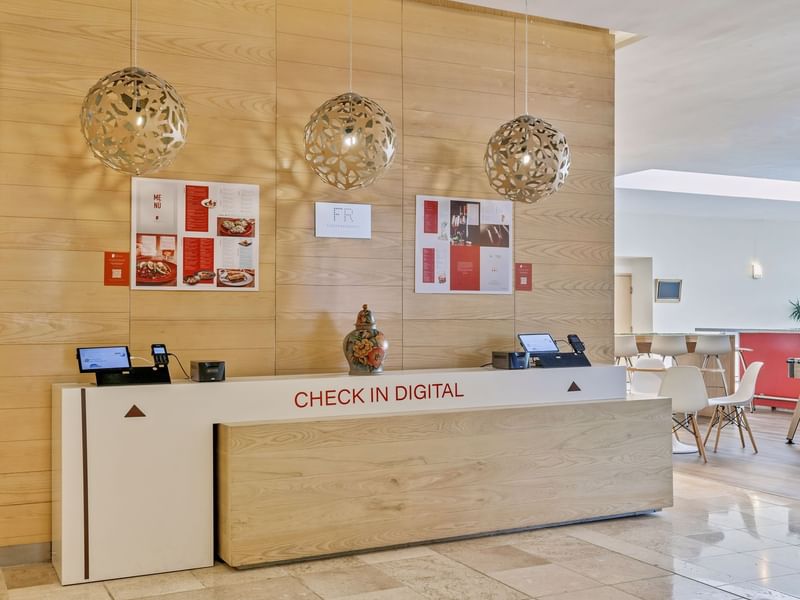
x,y
719,541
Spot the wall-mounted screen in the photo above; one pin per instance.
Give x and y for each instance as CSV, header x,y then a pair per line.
x,y
668,290
109,358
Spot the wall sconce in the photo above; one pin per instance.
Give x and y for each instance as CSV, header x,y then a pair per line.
x,y
758,271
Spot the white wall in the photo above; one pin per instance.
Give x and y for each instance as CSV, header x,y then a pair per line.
x,y
713,257
641,270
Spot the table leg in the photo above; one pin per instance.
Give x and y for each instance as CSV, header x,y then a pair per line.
x,y
793,424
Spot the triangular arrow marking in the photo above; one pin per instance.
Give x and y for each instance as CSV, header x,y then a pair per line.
x,y
134,411
574,387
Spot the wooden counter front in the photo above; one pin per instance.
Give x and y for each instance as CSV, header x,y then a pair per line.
x,y
298,489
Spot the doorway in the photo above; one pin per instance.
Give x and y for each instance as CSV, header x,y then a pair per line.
x,y
623,303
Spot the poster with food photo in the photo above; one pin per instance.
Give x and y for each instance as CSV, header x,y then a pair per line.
x,y
463,246
194,235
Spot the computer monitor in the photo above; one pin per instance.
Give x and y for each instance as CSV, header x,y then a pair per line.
x,y
107,358
668,290
538,343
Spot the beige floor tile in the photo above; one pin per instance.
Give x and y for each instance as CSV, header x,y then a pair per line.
x,y
468,586
152,585
788,556
662,561
611,568
323,565
739,541
685,548
349,581
279,588
788,534
386,555
545,580
23,576
738,519
560,549
743,567
781,514
495,558
673,587
403,593
788,584
603,593
438,577
222,574
752,591
55,591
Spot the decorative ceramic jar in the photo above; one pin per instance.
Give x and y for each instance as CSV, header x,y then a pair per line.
x,y
365,347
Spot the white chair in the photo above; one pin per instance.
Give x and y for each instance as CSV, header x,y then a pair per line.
x,y
625,349
687,389
729,410
646,376
711,347
669,346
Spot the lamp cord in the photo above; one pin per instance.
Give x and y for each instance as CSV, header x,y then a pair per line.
x,y
526,57
135,32
350,45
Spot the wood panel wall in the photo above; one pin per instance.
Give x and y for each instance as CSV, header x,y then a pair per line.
x,y
250,74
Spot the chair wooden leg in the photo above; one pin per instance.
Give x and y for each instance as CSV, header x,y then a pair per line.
x,y
719,426
696,431
711,423
723,374
739,426
750,432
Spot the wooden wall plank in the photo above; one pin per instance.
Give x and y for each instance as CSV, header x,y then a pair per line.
x,y
24,488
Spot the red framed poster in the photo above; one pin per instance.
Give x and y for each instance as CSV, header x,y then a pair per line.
x,y
463,246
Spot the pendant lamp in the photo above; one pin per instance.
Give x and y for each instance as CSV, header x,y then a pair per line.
x,y
350,140
134,121
527,159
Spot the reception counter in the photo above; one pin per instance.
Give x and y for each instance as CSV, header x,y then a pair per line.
x,y
326,464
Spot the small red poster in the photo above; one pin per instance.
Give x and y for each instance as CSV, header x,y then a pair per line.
x,y
197,204
117,268
198,260
428,264
431,219
465,268
524,277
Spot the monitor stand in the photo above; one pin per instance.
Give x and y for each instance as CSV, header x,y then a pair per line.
x,y
134,376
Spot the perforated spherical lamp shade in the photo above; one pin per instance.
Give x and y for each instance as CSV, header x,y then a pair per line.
x,y
350,141
134,121
527,159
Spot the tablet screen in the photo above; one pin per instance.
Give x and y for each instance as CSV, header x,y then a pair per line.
x,y
110,358
537,342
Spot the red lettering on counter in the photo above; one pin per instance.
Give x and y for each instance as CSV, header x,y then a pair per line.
x,y
297,397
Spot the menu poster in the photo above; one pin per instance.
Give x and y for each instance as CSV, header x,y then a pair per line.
x,y
194,235
463,246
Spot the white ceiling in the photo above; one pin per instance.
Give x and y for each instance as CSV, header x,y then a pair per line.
x,y
713,87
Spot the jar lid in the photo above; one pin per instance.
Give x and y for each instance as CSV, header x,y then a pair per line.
x,y
365,318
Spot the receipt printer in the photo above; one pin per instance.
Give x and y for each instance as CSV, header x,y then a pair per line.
x,y
510,360
208,370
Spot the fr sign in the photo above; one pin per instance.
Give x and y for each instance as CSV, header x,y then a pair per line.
x,y
343,220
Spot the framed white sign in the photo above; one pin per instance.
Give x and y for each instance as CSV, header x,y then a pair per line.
x,y
335,220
